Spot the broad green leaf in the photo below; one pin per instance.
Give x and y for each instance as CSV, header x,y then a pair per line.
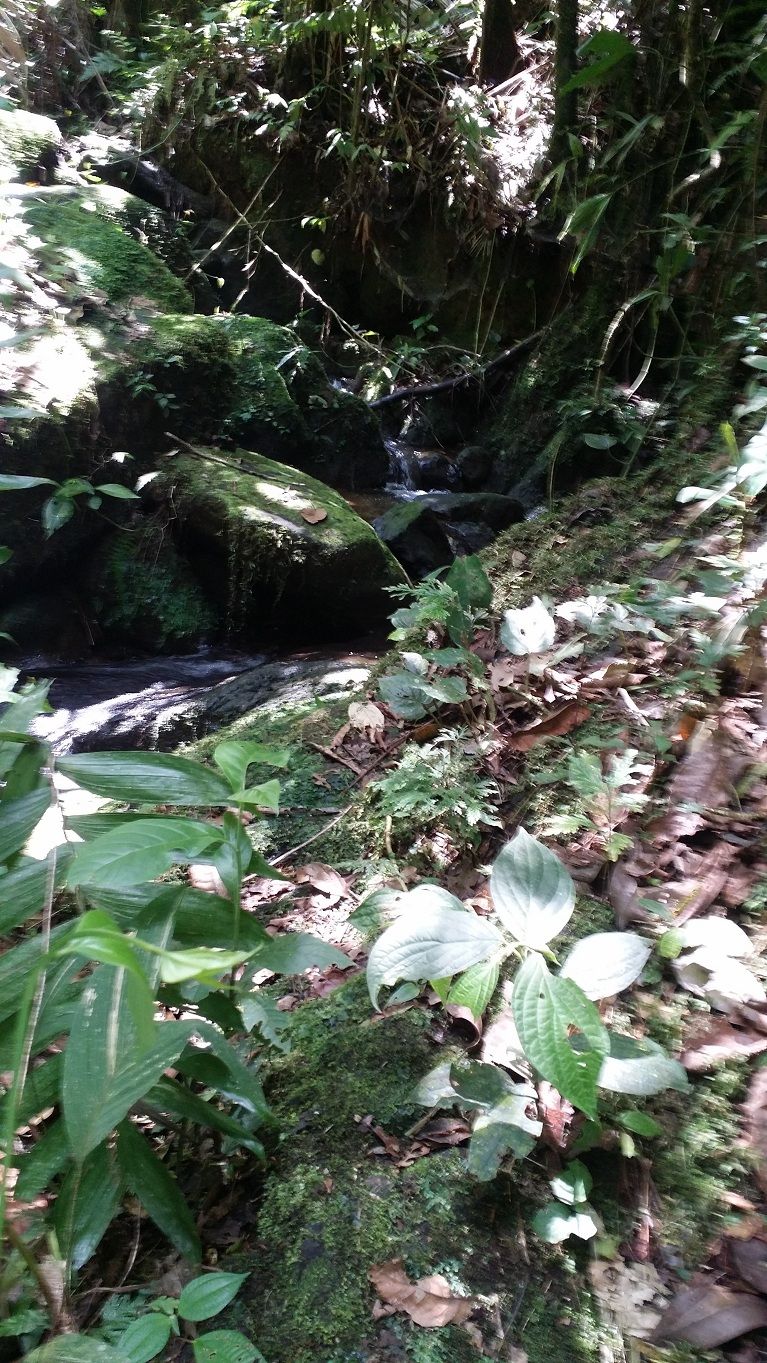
x,y
97,938
19,482
470,583
573,1185
641,1069
170,1097
605,50
546,1011
19,818
259,1011
234,757
375,910
531,630
448,690
117,490
475,987
88,1201
436,1089
207,1296
148,1178
41,1090
144,1339
478,1084
24,889
429,944
404,695
139,851
641,1123
504,1128
107,1064
265,796
295,952
247,1083
177,966
225,1346
555,1223
146,778
76,1349
532,891
605,963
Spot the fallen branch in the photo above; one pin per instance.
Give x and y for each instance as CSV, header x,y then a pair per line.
x,y
426,390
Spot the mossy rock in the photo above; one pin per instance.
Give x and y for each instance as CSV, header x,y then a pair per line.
x,y
284,551
29,145
140,594
47,624
82,239
426,533
254,383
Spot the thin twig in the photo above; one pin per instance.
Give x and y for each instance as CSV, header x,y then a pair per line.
x,y
424,390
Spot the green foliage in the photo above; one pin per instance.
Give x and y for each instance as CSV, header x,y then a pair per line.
x,y
95,980
438,783
560,1032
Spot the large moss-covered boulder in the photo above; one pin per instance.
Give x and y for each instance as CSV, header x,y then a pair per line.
x,y
252,382
140,594
29,145
282,551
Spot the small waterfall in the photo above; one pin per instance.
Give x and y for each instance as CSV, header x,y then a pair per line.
x,y
403,463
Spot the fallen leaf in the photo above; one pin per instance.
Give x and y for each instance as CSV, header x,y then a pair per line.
x,y
429,1302
708,1315
749,1257
368,717
207,878
561,1123
633,1293
564,719
704,779
723,1040
324,879
314,514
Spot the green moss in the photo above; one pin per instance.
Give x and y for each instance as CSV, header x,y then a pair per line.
x,y
80,239
26,141
143,595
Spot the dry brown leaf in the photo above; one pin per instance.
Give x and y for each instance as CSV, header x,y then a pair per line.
x,y
504,672
208,879
706,777
564,719
324,879
368,717
561,1123
708,1315
623,893
728,1039
633,1293
314,514
429,1302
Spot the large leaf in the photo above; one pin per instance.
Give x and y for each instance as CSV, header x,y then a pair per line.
x,y
429,945
207,1296
225,1346
404,694
295,952
606,962
19,818
139,851
107,1064
45,1160
145,1338
641,1069
479,1085
24,888
147,1177
169,1097
504,1128
76,1349
470,583
605,50
555,1222
235,756
88,1201
147,778
547,1009
532,891
475,987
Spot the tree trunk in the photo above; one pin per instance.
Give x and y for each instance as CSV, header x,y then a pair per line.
x,y
565,63
498,54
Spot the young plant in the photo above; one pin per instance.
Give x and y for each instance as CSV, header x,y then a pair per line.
x,y
560,1034
438,783
607,797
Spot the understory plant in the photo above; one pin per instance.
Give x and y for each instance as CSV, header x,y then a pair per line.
x,y
121,989
556,1030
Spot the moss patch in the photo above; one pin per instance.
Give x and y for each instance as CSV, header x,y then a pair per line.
x,y
142,595
27,142
79,239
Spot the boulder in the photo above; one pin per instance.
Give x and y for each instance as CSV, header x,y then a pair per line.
x,y
283,552
428,532
474,463
29,146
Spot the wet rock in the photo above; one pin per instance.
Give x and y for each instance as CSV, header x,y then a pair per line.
x,y
474,463
29,145
430,531
283,551
141,596
435,472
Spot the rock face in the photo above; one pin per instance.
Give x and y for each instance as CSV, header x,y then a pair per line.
x,y
29,145
282,550
428,532
141,595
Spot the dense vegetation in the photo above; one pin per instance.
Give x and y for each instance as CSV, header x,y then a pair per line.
x,y
451,311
